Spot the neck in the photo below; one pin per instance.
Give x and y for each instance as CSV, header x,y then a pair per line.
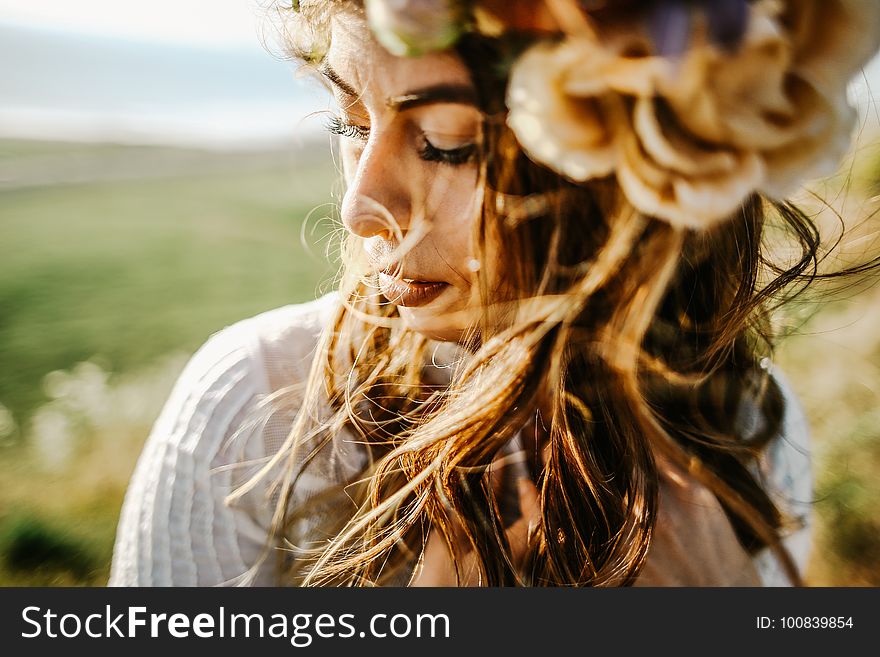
x,y
536,430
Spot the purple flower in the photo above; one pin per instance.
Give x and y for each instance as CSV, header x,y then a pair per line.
x,y
727,20
670,22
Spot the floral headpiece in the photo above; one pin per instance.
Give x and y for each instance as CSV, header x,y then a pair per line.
x,y
692,104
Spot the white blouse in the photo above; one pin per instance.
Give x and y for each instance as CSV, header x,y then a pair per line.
x,y
176,529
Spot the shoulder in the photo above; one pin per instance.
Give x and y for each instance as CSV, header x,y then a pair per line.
x,y
793,445
286,334
175,527
283,340
787,462
244,360
248,349
256,355
787,471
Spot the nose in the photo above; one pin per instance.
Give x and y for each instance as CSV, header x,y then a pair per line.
x,y
377,199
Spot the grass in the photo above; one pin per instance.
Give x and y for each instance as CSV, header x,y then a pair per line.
x,y
833,362
128,270
122,271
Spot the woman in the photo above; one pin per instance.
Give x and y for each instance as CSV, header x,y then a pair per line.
x,y
548,360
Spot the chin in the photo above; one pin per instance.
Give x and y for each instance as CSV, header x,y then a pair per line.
x,y
430,325
430,330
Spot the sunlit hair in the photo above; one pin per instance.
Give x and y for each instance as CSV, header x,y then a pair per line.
x,y
650,337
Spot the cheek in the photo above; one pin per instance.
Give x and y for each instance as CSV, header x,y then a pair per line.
x,y
349,156
456,199
461,206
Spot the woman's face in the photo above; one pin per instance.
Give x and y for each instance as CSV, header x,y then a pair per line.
x,y
409,131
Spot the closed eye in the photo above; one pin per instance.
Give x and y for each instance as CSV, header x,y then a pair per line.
x,y
428,152
337,126
453,156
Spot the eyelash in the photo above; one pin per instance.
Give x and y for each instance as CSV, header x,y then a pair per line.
x,y
428,152
336,126
454,156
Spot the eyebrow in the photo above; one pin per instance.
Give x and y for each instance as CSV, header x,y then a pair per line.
x,y
438,93
333,76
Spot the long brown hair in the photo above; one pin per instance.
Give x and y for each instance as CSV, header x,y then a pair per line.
x,y
650,336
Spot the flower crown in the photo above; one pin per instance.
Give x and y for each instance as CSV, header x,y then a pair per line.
x,y
692,104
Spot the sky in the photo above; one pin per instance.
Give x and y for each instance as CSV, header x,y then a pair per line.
x,y
209,23
179,72
170,71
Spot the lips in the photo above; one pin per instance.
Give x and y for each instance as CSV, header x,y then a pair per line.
x,y
409,292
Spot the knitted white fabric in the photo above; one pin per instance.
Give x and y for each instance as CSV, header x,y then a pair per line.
x,y
175,528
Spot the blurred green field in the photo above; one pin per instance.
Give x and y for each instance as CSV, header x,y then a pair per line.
x,y
128,258
117,262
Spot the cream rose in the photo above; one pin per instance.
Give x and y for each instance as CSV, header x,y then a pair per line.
x,y
690,139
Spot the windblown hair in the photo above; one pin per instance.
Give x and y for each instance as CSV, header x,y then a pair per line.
x,y
650,336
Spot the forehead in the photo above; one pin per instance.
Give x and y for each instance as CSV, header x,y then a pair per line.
x,y
375,73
